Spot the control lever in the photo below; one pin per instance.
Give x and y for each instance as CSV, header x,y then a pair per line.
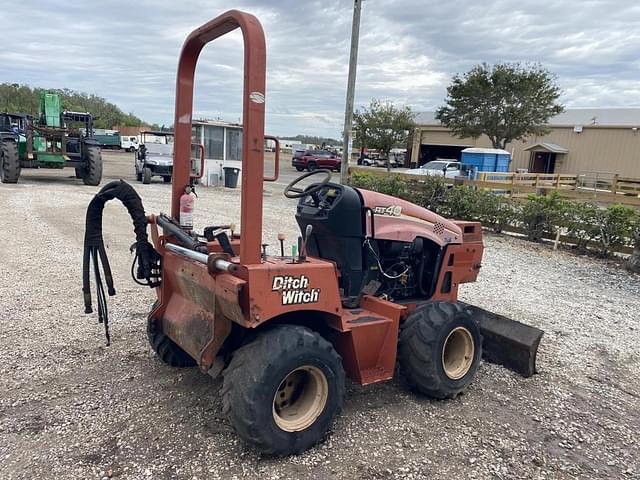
x,y
281,239
303,248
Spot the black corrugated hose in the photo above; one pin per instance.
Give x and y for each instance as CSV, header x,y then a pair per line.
x,y
146,256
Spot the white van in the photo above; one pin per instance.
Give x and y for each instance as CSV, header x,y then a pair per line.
x,y
129,143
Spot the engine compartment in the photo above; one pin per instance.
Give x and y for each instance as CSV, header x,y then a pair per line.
x,y
405,270
344,232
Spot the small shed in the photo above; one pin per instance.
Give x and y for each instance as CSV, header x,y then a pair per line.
x,y
486,159
222,148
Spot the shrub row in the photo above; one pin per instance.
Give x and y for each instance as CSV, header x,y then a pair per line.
x,y
589,226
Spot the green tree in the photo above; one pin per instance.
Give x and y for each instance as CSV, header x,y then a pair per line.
x,y
361,128
315,140
506,102
384,126
24,99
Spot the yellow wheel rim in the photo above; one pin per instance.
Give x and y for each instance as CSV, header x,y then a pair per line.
x,y
457,353
300,398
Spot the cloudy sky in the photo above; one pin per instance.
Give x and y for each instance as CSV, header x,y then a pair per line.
x,y
127,51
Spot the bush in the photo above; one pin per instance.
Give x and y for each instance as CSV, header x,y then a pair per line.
x,y
617,224
633,263
426,191
461,203
542,214
496,211
429,192
581,222
390,185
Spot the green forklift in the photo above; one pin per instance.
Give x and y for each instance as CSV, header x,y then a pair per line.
x,y
57,139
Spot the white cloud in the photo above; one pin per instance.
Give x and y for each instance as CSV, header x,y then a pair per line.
x,y
128,51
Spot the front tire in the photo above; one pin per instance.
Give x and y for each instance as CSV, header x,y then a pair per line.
x,y
92,171
439,349
166,179
9,162
146,175
167,350
282,391
299,169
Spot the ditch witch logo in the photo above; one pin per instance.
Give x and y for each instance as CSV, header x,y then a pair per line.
x,y
295,290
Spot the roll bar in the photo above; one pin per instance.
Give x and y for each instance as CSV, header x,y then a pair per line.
x,y
276,166
253,98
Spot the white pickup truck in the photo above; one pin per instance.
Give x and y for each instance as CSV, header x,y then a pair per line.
x,y
129,143
439,168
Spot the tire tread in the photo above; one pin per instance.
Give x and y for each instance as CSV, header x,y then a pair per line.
x,y
262,354
10,161
166,349
418,339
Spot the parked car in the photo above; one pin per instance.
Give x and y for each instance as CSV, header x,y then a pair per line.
x,y
155,157
377,161
448,168
313,159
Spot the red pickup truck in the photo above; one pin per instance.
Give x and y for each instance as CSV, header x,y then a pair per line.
x,y
313,159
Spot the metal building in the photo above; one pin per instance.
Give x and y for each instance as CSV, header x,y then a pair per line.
x,y
580,140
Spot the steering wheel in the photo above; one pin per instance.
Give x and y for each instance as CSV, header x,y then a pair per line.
x,y
291,192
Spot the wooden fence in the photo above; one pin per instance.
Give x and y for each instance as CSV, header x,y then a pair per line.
x,y
588,186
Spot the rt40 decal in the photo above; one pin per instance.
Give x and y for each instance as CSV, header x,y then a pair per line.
x,y
390,211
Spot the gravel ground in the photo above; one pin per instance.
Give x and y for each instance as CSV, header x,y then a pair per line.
x,y
72,408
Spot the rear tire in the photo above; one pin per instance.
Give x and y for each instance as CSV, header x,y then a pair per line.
x,y
92,171
166,349
282,391
146,175
9,162
311,166
440,349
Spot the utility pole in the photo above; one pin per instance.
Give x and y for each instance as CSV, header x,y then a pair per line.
x,y
351,86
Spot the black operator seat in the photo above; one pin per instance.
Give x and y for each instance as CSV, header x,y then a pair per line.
x,y
337,217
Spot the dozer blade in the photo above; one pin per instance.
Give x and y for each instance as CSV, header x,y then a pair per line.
x,y
507,342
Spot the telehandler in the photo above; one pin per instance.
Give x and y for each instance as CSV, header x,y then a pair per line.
x,y
56,139
374,281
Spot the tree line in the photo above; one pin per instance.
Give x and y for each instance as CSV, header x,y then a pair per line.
x,y
24,99
316,140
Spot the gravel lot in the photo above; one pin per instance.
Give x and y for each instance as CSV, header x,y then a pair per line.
x,y
72,408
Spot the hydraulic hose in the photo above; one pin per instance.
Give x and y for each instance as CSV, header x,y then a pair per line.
x,y
147,257
181,236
